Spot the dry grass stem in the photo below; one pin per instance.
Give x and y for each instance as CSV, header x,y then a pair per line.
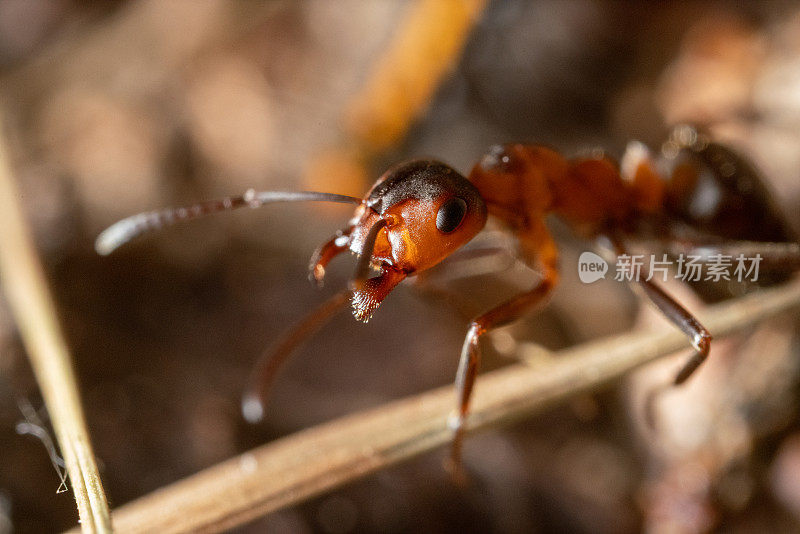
x,y
23,283
310,462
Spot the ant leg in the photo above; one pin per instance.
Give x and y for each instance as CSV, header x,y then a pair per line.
x,y
266,369
471,355
325,253
699,337
537,247
270,362
498,255
465,263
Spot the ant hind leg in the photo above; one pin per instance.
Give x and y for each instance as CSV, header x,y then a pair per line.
x,y
698,335
682,318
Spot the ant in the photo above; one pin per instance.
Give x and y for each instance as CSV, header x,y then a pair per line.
x,y
698,195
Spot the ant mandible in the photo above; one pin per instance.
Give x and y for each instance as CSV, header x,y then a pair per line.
x,y
419,213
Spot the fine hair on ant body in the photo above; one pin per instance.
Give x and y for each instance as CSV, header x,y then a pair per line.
x,y
697,195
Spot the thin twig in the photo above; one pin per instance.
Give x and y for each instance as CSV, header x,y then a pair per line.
x,y
305,464
24,285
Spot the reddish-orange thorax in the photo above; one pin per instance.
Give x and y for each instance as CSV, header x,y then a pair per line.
x,y
525,182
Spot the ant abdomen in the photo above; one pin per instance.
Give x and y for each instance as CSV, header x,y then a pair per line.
x,y
716,191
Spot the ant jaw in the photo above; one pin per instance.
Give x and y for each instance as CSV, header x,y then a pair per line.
x,y
368,294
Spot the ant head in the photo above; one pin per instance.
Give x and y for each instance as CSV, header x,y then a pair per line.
x,y
427,211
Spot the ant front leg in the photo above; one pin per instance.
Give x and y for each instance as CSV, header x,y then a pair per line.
x,y
325,253
538,248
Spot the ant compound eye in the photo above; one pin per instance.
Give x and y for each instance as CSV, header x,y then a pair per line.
x,y
450,215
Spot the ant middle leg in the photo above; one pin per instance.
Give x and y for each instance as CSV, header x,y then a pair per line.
x,y
490,252
469,362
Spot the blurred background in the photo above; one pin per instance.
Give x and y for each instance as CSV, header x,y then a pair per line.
x,y
117,107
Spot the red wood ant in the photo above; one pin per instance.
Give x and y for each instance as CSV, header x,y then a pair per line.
x,y
420,212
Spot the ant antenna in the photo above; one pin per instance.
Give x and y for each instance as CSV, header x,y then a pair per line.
x,y
264,372
123,231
